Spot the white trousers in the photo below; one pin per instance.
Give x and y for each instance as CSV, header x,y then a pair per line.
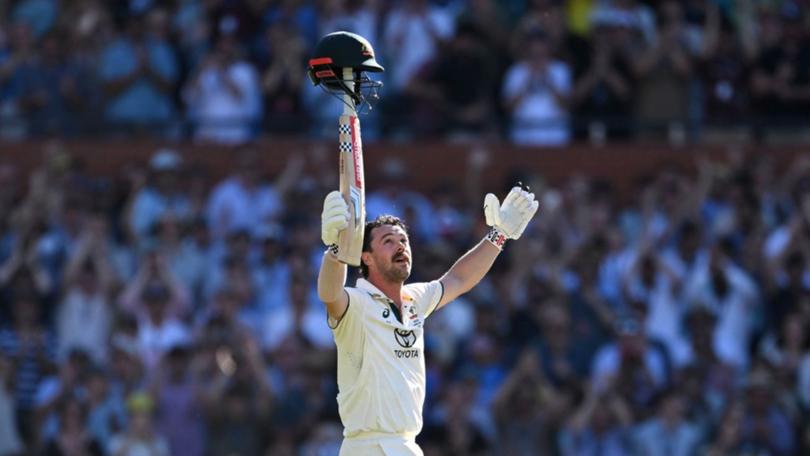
x,y
380,446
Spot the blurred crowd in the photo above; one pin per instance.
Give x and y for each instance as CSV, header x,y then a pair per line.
x,y
160,311
539,72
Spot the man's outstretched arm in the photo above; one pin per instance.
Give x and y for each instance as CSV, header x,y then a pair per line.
x,y
508,221
332,275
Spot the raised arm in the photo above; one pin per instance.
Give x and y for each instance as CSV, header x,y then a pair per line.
x,y
332,275
508,221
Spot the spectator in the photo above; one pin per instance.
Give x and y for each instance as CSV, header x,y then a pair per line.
x,y
536,92
663,71
139,71
599,426
602,94
458,429
271,272
162,196
282,78
10,440
729,433
29,346
84,317
654,291
234,429
780,77
727,290
73,438
296,316
52,93
563,362
223,98
158,331
17,51
764,425
154,276
412,35
179,410
454,92
667,433
724,70
140,437
244,199
526,416
106,411
40,15
53,390
238,399
24,267
193,30
632,367
712,379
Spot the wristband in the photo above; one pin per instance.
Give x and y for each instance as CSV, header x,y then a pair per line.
x,y
496,237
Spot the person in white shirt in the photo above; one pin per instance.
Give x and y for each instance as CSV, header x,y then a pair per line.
x,y
536,93
245,199
412,34
378,325
224,97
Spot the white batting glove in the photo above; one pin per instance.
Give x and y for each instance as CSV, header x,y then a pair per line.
x,y
334,219
509,220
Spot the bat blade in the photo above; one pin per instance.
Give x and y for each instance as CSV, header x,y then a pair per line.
x,y
352,186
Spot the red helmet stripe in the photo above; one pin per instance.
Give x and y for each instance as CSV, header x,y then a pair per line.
x,y
320,61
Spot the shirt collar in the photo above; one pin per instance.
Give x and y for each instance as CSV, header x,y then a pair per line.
x,y
375,292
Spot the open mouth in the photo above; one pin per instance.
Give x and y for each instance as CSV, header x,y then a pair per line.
x,y
402,260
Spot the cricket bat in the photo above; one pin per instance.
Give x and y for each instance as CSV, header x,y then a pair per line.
x,y
352,180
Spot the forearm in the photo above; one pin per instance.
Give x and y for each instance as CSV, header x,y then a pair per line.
x,y
472,266
331,278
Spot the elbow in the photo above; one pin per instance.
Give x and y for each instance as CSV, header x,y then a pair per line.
x,y
327,295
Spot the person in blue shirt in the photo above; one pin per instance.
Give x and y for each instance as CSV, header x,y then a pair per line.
x,y
139,71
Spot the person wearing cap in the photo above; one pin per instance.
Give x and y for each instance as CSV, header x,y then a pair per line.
x,y
160,196
140,437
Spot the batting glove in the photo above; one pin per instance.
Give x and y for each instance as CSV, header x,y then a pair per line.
x,y
334,218
509,220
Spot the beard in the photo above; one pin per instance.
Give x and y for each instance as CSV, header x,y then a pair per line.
x,y
396,272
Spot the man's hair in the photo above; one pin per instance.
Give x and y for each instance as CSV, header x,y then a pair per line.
x,y
377,222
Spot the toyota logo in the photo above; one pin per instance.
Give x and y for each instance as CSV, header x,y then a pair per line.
x,y
405,339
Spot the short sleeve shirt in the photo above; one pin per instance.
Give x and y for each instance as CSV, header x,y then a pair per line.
x,y
381,359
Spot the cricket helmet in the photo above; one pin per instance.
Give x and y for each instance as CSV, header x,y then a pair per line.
x,y
340,50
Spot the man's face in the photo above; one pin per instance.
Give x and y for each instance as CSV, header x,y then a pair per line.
x,y
390,253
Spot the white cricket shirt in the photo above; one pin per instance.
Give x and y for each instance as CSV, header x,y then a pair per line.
x,y
381,360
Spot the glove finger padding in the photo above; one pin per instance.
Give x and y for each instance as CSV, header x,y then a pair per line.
x,y
511,197
334,218
332,211
492,210
523,200
526,215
